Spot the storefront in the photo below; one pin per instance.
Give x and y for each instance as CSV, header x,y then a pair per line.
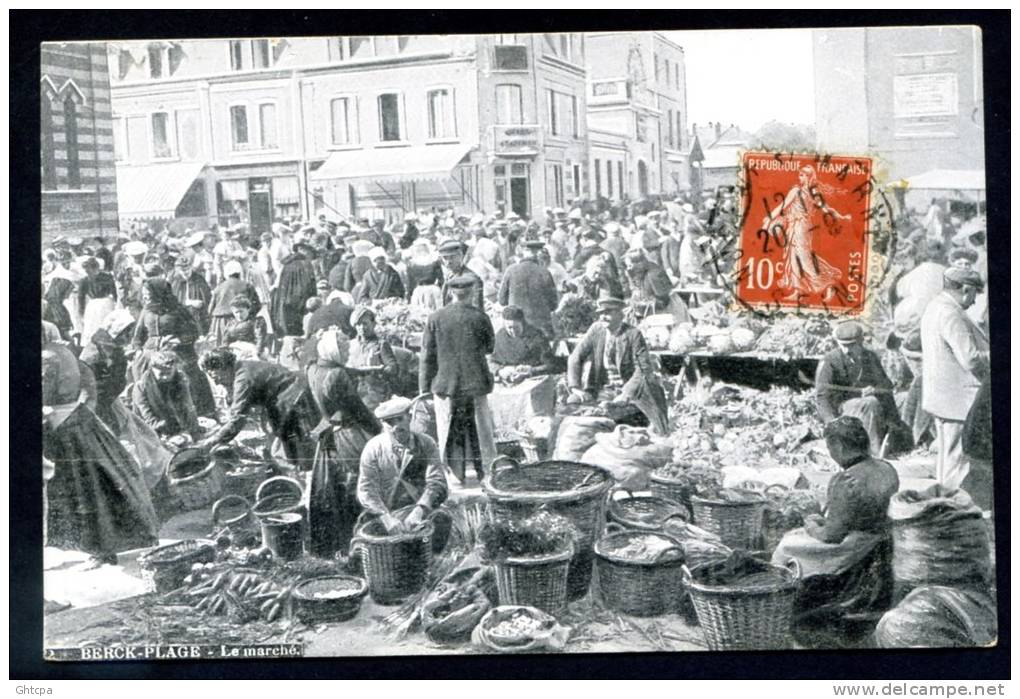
x,y
259,198
513,151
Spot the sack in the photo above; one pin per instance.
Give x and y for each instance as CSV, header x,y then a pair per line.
x,y
547,634
939,617
938,539
630,454
143,443
455,606
577,434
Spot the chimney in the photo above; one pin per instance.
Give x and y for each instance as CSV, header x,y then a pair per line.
x,y
718,129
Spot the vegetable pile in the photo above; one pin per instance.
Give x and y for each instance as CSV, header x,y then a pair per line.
x,y
574,316
643,548
540,534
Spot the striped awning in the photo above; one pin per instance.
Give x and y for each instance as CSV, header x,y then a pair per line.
x,y
154,191
406,164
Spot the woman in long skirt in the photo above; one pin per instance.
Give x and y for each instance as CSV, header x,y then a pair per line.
x,y
96,500
97,297
346,427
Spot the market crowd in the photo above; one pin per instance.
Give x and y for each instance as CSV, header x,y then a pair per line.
x,y
189,338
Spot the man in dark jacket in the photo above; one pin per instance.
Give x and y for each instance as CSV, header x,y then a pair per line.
x,y
850,381
282,394
529,285
612,364
451,252
192,290
453,368
649,284
381,281
297,285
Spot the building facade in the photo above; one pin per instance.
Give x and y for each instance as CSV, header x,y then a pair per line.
x,y
79,187
257,130
637,97
913,94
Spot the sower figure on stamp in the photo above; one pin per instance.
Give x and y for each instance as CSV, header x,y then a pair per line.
x,y
851,381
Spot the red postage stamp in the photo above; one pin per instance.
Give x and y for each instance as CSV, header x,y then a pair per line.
x,y
804,239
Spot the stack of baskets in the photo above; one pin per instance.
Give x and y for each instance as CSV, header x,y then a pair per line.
x,y
640,587
164,568
742,617
572,489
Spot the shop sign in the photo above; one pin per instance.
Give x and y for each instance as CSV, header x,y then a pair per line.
x,y
516,140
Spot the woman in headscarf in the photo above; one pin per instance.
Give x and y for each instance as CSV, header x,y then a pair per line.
x,y
372,360
162,398
97,297
295,287
346,427
165,321
106,358
381,281
192,291
423,268
223,296
54,311
96,500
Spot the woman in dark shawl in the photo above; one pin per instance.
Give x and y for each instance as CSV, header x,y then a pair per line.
x,y
105,356
165,322
846,555
296,286
55,311
96,500
346,427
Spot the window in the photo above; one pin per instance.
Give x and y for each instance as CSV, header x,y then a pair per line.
x,y
510,58
389,117
342,121
441,117
49,165
188,134
640,129
669,122
619,172
261,54
335,49
361,47
676,77
598,177
155,61
575,123
563,117
236,55
71,141
509,104
507,39
267,126
119,138
239,125
557,184
577,180
554,122
679,131
609,179
161,145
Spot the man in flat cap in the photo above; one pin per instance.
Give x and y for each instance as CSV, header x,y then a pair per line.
x,y
453,368
954,361
850,381
529,285
400,480
611,364
451,254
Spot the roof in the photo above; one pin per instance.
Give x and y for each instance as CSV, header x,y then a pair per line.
x,y
952,180
722,157
429,162
731,135
154,191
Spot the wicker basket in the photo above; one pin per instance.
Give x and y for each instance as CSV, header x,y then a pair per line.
x,y
647,512
738,524
736,617
164,568
234,513
669,489
312,607
245,478
194,479
640,588
396,565
535,581
284,498
569,488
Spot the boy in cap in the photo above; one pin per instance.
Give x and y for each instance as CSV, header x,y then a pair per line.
x,y
850,380
451,254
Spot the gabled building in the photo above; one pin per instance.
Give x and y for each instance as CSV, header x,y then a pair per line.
x,y
715,154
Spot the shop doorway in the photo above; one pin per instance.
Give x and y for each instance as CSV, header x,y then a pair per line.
x,y
260,205
519,196
642,178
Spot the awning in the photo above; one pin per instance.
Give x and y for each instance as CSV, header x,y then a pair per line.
x,y
393,164
952,180
154,191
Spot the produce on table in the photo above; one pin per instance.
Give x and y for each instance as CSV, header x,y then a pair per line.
x,y
539,534
574,316
397,319
795,337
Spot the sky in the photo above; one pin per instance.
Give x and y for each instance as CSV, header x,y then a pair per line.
x,y
748,77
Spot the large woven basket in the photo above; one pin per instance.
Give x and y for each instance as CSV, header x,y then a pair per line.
x,y
736,617
647,512
640,588
664,487
535,581
194,479
396,565
738,524
569,488
164,569
329,598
